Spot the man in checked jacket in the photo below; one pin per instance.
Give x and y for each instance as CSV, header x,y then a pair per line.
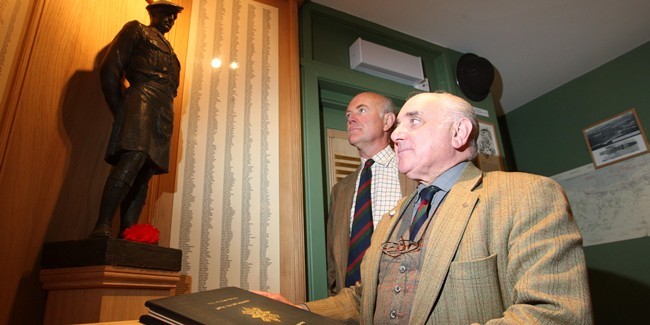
x,y
370,118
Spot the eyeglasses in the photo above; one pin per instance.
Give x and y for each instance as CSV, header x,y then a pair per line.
x,y
402,246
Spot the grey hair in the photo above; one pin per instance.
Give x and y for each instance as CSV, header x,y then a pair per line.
x,y
387,105
456,109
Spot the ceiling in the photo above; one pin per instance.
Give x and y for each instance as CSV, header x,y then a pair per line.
x,y
534,45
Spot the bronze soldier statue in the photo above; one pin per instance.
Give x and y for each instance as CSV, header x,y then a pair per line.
x,y
144,113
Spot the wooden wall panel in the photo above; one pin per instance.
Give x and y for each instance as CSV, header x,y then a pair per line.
x,y
52,170
292,223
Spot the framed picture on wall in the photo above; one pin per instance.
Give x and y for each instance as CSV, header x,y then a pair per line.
x,y
616,138
489,157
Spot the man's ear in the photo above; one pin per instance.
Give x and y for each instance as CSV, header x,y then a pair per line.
x,y
389,120
460,133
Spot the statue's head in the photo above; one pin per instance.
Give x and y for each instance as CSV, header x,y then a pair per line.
x,y
163,13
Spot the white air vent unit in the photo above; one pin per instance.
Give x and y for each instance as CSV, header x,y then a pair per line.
x,y
387,63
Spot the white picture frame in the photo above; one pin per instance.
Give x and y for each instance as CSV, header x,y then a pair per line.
x,y
489,156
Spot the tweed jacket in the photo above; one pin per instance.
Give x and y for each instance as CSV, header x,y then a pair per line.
x,y
338,227
503,248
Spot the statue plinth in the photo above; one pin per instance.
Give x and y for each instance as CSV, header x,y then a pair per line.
x,y
110,251
105,279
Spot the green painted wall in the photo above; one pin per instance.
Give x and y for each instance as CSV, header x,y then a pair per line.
x,y
546,138
328,84
546,134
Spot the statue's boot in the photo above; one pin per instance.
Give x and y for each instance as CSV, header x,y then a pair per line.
x,y
135,200
117,187
115,190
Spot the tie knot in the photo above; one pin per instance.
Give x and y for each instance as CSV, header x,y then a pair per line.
x,y
426,194
368,163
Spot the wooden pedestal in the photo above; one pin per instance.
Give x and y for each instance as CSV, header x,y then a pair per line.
x,y
103,293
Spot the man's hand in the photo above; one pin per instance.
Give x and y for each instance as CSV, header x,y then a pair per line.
x,y
279,297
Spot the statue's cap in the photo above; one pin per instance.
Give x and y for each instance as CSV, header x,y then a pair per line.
x,y
160,4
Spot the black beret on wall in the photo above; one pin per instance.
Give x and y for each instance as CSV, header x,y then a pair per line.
x,y
474,76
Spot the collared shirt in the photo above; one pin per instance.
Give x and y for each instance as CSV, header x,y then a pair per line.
x,y
385,188
444,182
399,276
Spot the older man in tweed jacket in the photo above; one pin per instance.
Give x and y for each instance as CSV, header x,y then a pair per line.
x,y
497,248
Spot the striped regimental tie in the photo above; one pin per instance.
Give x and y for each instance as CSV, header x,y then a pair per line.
x,y
422,213
361,226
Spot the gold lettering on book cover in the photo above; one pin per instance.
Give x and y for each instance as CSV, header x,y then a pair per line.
x,y
264,315
222,300
232,304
